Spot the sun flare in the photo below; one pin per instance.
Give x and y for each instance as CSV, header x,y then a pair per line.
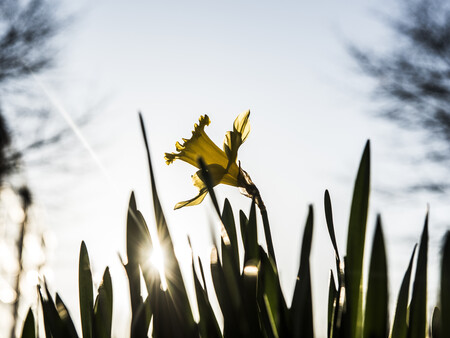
x,y
156,259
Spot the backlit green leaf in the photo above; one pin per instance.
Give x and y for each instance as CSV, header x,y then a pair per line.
x,y
250,281
418,308
436,323
332,303
445,286
28,330
355,243
270,297
400,327
243,220
376,320
66,320
251,236
230,226
229,301
301,310
85,292
330,224
208,326
104,307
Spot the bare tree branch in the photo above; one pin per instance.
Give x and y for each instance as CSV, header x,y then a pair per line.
x,y
413,76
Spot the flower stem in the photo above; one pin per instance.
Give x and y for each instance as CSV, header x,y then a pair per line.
x,y
265,218
249,189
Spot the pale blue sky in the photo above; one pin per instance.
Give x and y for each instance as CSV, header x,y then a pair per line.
x,y
310,118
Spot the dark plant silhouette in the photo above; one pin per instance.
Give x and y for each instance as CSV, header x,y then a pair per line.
x,y
246,281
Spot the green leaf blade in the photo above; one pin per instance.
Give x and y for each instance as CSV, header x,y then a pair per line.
x,y
85,292
301,309
400,327
356,242
376,320
229,298
230,226
29,329
208,326
66,320
104,307
445,286
418,308
330,223
332,303
271,298
251,236
436,323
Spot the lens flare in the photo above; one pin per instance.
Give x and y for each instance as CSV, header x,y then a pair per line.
x,y
157,261
7,295
251,270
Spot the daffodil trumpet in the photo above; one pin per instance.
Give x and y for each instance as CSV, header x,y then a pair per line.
x,y
221,165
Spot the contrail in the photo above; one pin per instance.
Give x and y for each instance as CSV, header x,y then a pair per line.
x,y
65,115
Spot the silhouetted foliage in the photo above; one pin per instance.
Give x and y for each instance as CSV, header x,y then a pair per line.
x,y
24,40
8,157
413,76
26,31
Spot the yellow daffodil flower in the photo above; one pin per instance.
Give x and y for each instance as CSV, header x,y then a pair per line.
x,y
221,164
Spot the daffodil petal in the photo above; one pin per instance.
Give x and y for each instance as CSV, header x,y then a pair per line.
x,y
193,201
242,125
197,180
216,172
230,180
234,139
199,145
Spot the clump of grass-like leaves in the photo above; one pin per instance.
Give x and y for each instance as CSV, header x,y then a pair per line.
x,y
250,298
